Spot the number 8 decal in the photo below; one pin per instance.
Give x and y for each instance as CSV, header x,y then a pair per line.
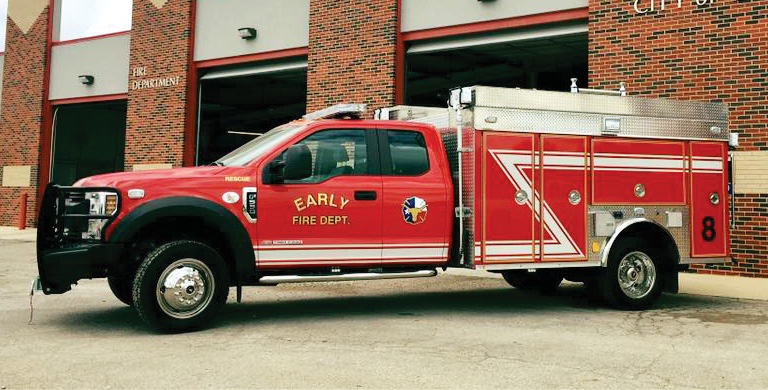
x,y
708,234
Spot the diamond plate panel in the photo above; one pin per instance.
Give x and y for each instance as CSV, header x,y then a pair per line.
x,y
506,109
467,172
656,213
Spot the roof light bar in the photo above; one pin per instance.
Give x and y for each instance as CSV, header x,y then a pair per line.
x,y
354,111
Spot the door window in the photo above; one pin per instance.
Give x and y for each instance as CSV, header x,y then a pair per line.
x,y
408,151
334,153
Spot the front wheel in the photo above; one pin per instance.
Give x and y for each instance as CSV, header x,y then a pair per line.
x,y
122,288
180,286
631,280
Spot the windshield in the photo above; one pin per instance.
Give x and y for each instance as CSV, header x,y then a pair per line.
x,y
258,146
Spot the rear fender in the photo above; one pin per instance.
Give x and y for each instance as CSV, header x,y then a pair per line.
x,y
667,244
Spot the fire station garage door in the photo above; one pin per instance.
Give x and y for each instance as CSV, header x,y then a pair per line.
x,y
543,58
88,139
240,103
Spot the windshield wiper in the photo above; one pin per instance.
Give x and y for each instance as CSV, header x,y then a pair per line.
x,y
216,164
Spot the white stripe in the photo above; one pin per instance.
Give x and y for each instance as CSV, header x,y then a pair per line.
x,y
710,165
707,158
412,252
519,242
319,254
644,156
638,162
561,168
333,263
640,170
565,160
553,153
510,250
347,254
351,246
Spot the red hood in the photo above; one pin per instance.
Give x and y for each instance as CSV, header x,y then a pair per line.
x,y
153,177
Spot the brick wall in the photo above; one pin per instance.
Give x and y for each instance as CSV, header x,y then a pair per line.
x,y
21,119
717,51
157,93
352,46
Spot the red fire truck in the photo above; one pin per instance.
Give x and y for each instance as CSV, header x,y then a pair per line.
x,y
617,192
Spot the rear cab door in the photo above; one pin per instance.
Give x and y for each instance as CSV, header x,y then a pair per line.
x,y
417,205
332,218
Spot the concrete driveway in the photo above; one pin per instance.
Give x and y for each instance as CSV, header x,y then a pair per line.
x,y
452,331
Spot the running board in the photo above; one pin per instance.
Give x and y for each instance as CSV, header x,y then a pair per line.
x,y
278,279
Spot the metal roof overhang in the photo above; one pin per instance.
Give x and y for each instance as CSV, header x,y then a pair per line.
x,y
452,43
255,70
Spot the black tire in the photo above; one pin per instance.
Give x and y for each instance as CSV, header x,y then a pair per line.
x,y
541,280
634,250
122,288
187,306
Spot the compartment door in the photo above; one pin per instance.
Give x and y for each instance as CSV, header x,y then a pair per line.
x,y
562,216
709,199
508,195
638,172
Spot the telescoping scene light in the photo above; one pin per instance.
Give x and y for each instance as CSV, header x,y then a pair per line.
x,y
247,33
85,79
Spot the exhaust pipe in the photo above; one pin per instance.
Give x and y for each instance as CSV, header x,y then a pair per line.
x,y
277,279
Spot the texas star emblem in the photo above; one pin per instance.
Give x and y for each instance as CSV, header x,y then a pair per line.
x,y
414,210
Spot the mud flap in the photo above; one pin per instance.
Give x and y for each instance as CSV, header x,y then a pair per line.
x,y
671,281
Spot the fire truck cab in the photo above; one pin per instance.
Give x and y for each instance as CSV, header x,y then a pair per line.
x,y
617,192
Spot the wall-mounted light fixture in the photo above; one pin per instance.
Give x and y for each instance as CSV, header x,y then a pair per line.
x,y
247,33
85,79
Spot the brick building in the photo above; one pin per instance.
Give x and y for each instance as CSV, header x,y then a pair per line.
x,y
193,79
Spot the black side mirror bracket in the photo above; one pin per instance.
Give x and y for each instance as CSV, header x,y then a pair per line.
x,y
277,172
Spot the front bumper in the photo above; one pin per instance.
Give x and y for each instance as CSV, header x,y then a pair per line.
x,y
63,257
62,267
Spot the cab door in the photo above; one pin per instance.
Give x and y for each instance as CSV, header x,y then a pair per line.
x,y
331,218
416,204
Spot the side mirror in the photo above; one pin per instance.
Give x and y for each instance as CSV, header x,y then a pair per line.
x,y
275,172
296,165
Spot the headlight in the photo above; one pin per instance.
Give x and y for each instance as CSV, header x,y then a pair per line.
x,y
101,203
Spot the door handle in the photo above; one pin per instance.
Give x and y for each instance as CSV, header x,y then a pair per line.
x,y
365,195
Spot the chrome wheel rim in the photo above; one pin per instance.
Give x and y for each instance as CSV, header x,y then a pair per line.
x,y
637,275
185,288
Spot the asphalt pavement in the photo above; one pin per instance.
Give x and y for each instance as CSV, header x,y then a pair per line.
x,y
457,330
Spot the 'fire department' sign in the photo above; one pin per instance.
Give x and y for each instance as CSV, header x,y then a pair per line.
x,y
321,199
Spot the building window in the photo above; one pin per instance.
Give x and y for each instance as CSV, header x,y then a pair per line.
x,y
88,18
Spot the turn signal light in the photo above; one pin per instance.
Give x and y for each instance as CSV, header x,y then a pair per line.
x,y
110,204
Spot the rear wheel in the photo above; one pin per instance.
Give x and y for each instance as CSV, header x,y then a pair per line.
x,y
541,280
180,286
632,278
